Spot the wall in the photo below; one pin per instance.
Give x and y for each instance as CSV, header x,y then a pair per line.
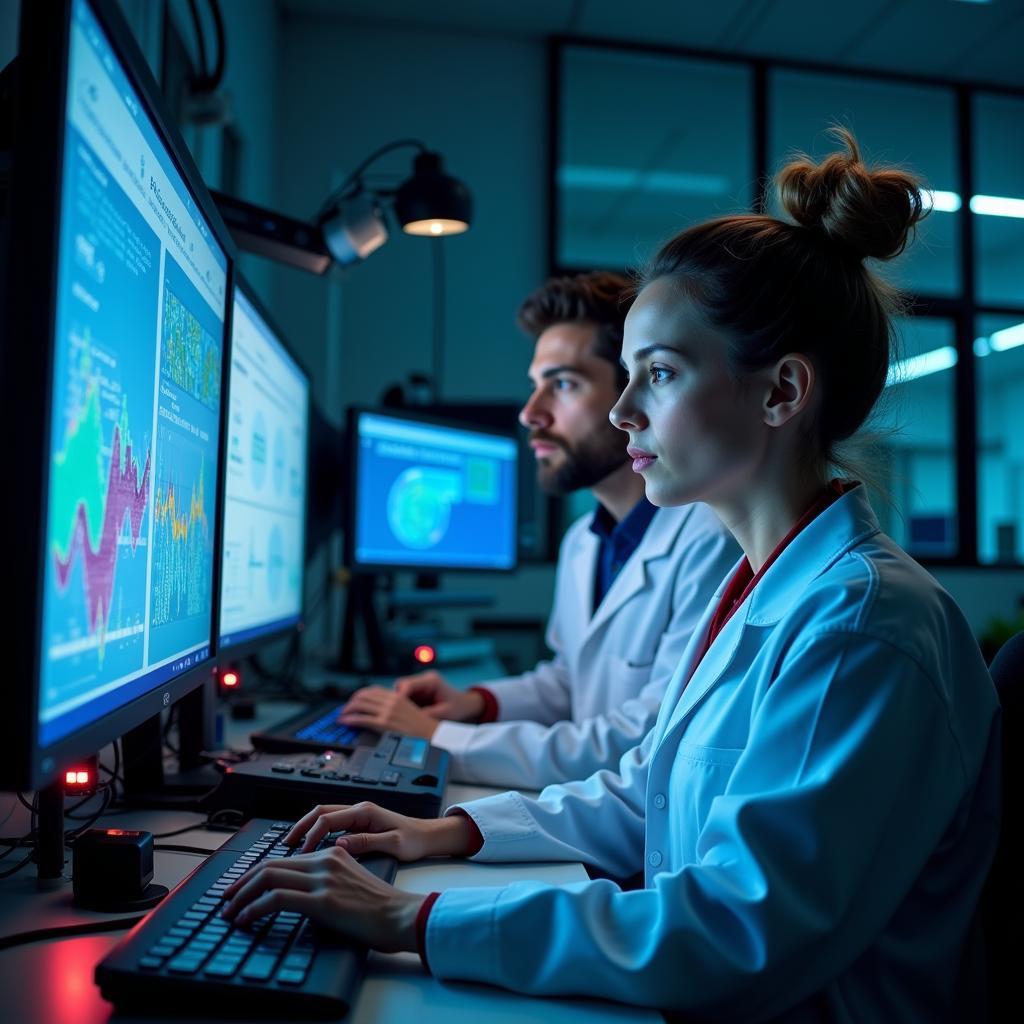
x,y
480,102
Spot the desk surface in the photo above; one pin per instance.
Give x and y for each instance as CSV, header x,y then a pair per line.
x,y
52,982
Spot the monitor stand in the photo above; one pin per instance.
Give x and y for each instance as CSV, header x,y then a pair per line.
x,y
146,783
361,612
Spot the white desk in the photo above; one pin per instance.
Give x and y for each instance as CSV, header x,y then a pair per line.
x,y
52,982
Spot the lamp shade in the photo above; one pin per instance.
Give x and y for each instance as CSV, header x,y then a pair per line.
x,y
431,202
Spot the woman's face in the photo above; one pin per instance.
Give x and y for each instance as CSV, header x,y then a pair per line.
x,y
695,432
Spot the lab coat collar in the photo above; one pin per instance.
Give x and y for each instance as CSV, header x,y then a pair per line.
x,y
657,542
819,545
844,524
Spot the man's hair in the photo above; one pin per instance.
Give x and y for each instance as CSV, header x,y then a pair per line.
x,y
599,298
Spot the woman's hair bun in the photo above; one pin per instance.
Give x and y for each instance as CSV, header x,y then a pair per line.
x,y
870,211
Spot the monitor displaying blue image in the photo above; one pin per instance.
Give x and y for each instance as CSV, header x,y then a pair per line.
x,y
135,408
431,495
263,562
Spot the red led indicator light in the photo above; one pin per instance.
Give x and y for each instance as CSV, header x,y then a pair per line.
x,y
424,654
70,777
230,680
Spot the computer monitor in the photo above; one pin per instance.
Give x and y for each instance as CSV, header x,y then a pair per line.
x,y
429,494
266,482
116,313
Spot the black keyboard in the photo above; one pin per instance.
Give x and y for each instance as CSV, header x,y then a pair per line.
x,y
185,954
328,730
316,729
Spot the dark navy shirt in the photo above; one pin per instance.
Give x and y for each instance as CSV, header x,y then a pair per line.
x,y
617,541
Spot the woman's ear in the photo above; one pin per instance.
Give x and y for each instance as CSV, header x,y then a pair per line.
x,y
790,388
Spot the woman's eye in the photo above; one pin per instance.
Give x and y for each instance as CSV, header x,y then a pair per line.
x,y
564,384
660,374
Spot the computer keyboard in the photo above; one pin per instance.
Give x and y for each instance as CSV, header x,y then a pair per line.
x,y
315,729
186,954
327,729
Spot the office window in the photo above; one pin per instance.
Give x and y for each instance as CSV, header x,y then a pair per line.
x,y
999,348
909,125
998,202
912,435
647,145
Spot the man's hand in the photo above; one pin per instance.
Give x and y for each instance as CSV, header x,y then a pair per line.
x,y
381,710
439,699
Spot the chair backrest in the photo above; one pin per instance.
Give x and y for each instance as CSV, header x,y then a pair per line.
x,y
1003,900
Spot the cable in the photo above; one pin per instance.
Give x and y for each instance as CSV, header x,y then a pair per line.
x,y
67,931
437,342
339,192
180,831
202,75
175,848
17,867
71,835
214,79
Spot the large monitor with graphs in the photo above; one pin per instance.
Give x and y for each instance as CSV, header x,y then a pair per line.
x,y
428,494
112,367
265,486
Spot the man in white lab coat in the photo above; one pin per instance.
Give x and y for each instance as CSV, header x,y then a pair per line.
x,y
631,584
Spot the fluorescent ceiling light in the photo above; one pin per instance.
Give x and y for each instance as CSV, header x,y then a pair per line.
x,y
992,206
997,206
913,367
942,202
1007,338
628,179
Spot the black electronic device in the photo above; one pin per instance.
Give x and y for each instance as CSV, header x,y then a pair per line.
x,y
185,956
316,729
113,869
403,773
116,314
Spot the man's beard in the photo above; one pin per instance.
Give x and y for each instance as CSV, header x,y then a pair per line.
x,y
584,464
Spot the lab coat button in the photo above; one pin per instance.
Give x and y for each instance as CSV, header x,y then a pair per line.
x,y
659,801
654,859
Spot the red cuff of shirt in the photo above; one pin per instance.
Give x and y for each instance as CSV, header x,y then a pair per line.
x,y
421,927
490,712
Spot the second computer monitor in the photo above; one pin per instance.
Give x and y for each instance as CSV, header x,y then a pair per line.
x,y
430,495
265,482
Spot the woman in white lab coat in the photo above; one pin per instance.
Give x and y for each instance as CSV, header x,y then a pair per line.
x,y
815,810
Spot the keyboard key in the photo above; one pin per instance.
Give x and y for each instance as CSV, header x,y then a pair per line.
x,y
289,977
298,961
258,968
150,963
186,964
221,968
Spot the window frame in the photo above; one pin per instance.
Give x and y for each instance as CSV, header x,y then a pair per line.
x,y
963,309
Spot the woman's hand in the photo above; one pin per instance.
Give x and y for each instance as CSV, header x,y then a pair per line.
x,y
372,829
439,699
333,889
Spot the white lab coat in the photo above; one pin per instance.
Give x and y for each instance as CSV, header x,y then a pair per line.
x,y
815,812
600,695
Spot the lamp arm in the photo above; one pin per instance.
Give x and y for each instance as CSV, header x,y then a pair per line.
x,y
354,176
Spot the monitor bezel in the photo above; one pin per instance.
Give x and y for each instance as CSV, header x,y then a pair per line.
x,y
414,416
228,654
26,371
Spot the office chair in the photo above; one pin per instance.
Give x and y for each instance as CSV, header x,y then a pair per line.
x,y
1002,903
